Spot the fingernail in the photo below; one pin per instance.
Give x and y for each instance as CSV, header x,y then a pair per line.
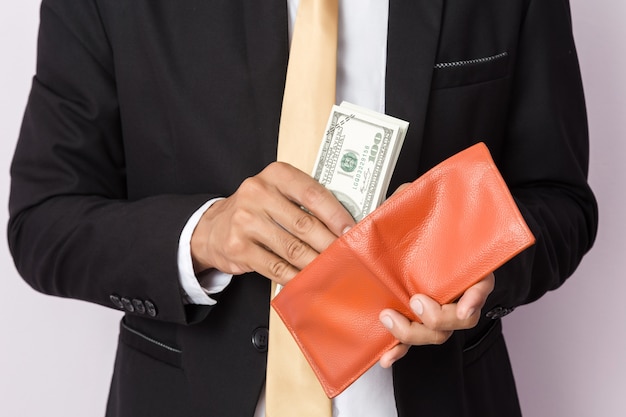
x,y
387,322
417,306
346,230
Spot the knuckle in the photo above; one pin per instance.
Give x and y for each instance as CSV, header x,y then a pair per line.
x,y
439,338
252,186
242,218
276,165
270,168
233,247
473,320
279,269
276,168
314,194
403,334
434,322
303,224
295,249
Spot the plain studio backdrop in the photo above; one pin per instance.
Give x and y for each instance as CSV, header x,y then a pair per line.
x,y
568,349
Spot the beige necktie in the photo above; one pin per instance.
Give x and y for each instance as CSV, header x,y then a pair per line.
x,y
292,390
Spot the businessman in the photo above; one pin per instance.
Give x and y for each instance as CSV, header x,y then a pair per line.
x,y
144,180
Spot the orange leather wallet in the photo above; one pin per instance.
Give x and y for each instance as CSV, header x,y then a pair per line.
x,y
439,236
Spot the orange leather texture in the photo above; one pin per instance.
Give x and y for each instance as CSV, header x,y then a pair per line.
x,y
439,236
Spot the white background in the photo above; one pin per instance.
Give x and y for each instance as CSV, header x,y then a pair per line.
x,y
568,349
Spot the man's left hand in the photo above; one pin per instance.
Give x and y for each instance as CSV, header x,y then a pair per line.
x,y
438,321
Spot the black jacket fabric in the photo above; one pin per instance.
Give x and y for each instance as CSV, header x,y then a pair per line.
x,y
142,110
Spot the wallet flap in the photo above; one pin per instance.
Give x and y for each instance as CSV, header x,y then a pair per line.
x,y
338,337
446,231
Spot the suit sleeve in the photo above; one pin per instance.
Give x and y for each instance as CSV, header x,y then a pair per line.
x,y
72,230
546,158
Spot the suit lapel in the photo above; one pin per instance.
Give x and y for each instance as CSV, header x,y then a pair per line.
x,y
267,43
413,37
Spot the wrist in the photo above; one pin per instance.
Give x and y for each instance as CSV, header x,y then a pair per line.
x,y
198,240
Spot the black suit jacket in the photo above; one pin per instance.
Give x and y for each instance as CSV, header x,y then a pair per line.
x,y
141,110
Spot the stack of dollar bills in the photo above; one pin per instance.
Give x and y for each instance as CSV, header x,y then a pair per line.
x,y
357,156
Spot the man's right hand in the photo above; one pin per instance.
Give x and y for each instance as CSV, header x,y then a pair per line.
x,y
262,227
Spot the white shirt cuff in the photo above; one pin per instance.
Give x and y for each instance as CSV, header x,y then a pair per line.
x,y
198,288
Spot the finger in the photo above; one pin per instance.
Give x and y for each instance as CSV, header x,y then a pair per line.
x,y
392,355
401,187
300,224
411,333
287,246
243,240
439,317
237,256
305,191
269,265
260,199
475,297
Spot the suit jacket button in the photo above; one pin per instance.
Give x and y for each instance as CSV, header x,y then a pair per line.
x,y
128,305
260,339
139,306
150,308
498,312
117,302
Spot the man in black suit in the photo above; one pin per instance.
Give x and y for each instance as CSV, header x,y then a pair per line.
x,y
143,111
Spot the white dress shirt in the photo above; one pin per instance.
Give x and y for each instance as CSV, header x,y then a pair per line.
x,y
361,63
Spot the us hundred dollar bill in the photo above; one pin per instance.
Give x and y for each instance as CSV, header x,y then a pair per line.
x,y
358,155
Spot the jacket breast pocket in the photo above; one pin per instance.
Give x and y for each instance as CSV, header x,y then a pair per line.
x,y
448,74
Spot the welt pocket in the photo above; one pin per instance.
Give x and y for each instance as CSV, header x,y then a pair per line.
x,y
150,345
449,74
482,341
